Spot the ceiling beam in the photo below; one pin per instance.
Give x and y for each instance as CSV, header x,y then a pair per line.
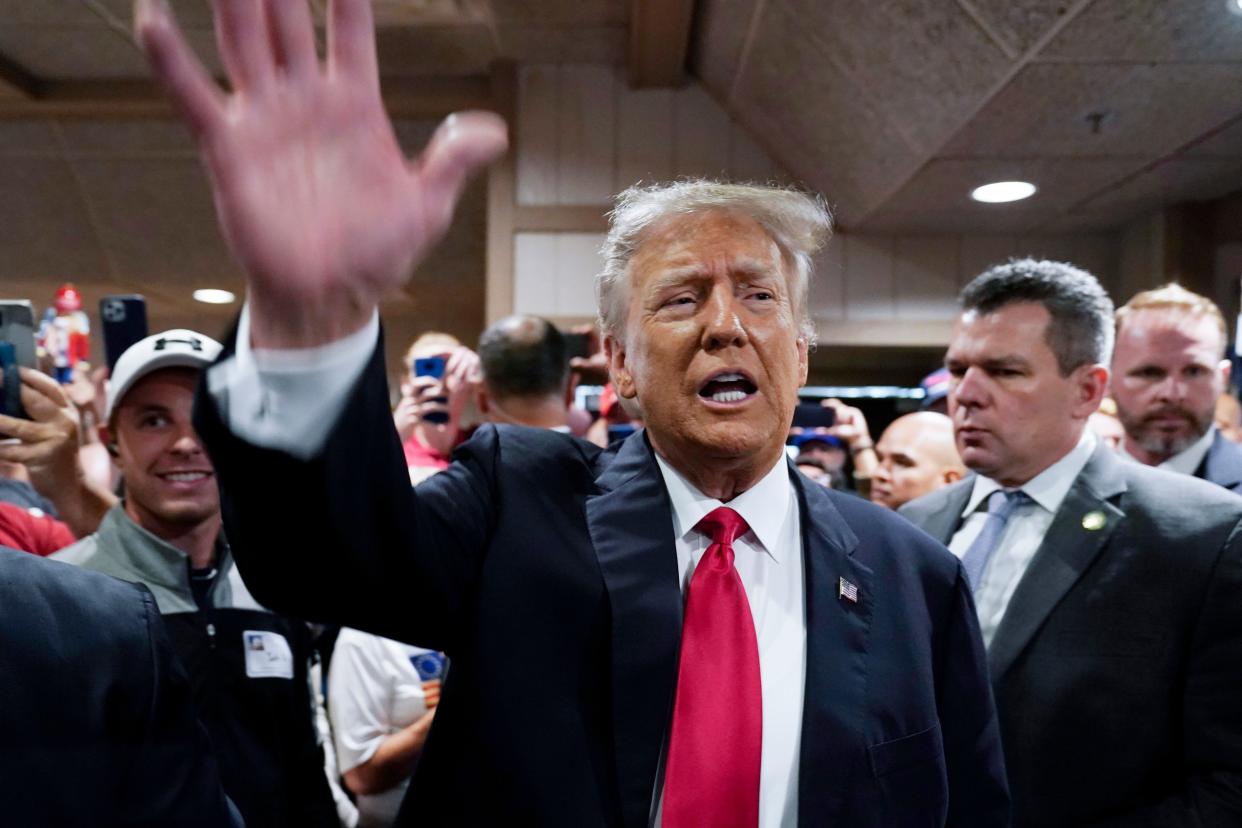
x,y
142,99
659,42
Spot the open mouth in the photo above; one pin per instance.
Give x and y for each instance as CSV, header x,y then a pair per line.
x,y
728,387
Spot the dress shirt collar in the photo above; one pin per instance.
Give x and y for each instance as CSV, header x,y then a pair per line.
x,y
1050,486
1188,460
763,506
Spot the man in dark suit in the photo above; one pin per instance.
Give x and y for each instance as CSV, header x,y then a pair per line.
x,y
1169,369
96,721
677,632
1107,591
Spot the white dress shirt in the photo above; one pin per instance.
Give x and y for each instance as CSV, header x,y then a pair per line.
x,y
1188,460
1023,533
290,400
768,559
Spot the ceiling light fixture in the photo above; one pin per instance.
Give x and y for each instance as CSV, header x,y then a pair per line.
x,y
999,192
215,296
1234,6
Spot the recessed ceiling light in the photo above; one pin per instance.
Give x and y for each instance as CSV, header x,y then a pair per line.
x,y
215,296
999,192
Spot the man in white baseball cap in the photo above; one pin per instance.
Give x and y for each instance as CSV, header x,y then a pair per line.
x,y
177,348
248,666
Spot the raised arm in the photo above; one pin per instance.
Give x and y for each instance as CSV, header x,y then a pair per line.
x,y
314,195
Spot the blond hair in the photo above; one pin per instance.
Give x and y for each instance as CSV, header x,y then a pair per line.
x,y
431,339
1174,297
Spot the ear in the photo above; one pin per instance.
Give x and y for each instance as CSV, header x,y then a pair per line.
x,y
804,359
1090,385
619,368
951,476
1224,371
482,401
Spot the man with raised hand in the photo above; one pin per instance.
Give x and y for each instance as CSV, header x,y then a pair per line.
x,y
707,640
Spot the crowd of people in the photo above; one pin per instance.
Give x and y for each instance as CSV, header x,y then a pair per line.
x,y
289,597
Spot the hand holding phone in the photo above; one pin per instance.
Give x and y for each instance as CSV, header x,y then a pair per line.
x,y
17,350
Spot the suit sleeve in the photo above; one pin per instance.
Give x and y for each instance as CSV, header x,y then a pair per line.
x,y
341,537
1211,791
978,789
173,780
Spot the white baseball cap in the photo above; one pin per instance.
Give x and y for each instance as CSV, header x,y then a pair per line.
x,y
178,348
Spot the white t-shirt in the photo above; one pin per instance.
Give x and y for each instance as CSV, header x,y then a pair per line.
x,y
373,691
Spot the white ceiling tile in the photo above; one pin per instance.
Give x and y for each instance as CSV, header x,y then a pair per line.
x,y
1148,110
1151,30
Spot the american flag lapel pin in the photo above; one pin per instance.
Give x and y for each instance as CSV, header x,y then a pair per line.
x,y
847,590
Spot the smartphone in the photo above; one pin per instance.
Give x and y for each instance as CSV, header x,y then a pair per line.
x,y
17,349
814,415
577,345
429,367
432,367
124,323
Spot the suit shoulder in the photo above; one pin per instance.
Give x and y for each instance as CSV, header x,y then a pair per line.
x,y
1174,497
75,608
889,539
527,443
919,509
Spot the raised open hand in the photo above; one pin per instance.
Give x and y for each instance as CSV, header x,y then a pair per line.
x,y
314,195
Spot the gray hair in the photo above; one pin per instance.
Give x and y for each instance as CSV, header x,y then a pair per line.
x,y
799,223
1080,331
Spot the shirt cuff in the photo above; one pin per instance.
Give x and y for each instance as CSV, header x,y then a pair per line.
x,y
288,400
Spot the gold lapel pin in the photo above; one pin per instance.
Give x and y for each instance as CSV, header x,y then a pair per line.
x,y
1094,521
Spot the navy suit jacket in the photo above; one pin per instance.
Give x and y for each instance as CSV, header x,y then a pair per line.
x,y
1223,464
546,569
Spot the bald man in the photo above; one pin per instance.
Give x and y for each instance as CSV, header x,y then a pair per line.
x,y
525,374
915,455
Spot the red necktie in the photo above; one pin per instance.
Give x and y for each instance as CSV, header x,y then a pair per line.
x,y
712,776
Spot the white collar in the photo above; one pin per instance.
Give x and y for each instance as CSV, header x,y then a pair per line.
x,y
763,506
1188,460
1050,486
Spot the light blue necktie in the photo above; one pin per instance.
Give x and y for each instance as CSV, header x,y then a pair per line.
x,y
1001,505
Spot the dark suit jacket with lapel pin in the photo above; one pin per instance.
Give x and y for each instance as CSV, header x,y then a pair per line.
x,y
1118,663
547,569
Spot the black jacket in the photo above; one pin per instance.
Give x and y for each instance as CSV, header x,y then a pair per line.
x,y
248,671
96,724
1223,464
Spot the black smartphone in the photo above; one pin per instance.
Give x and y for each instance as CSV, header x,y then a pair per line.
x,y
124,323
17,349
814,415
577,345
